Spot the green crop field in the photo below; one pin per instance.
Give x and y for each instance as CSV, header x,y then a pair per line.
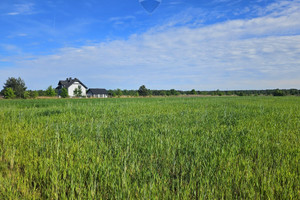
x,y
150,148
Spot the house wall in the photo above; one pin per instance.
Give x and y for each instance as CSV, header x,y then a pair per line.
x,y
102,96
73,87
89,94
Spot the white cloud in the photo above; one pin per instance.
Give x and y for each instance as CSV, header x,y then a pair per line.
x,y
121,20
22,9
257,53
13,13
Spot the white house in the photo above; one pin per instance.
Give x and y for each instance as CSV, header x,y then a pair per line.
x,y
97,93
72,84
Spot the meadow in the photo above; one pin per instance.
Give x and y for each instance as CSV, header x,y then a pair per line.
x,y
150,148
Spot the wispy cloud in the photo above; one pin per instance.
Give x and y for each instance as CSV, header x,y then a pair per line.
x,y
121,20
13,13
255,53
174,2
22,9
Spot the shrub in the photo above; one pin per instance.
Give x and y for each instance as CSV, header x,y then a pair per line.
x,y
50,92
9,93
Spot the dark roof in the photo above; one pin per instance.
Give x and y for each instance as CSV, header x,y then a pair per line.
x,y
97,91
68,82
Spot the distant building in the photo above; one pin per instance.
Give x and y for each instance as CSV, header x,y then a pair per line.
x,y
97,93
71,84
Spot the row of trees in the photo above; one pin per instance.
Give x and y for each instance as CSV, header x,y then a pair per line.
x,y
143,91
16,88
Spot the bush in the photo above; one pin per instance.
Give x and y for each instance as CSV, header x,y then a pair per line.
x,y
26,94
34,94
50,92
278,93
9,93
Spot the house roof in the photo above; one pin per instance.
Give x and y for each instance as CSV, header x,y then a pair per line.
x,y
97,91
69,81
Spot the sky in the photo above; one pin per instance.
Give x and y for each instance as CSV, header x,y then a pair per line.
x,y
183,44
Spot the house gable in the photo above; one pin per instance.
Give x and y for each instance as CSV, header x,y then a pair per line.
x,y
68,82
71,84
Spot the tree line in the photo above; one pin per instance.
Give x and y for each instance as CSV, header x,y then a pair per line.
x,y
143,91
16,88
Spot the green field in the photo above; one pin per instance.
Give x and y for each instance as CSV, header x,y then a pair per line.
x,y
150,148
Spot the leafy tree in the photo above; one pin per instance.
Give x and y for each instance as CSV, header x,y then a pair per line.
x,y
173,92
17,85
143,91
294,92
26,94
125,92
193,92
278,92
34,94
112,93
119,92
218,92
9,93
64,93
50,92
78,91
162,93
229,93
41,93
240,94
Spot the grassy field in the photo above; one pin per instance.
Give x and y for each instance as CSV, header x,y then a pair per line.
x,y
150,148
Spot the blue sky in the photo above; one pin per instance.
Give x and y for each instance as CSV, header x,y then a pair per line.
x,y
183,44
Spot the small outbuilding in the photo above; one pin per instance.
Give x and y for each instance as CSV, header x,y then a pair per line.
x,y
97,93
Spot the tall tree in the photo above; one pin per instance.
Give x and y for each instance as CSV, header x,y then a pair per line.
x,y
143,91
119,92
193,92
17,85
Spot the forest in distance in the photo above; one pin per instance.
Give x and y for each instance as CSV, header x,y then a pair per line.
x,y
173,92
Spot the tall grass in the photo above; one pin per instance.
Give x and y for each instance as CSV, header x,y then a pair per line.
x,y
152,148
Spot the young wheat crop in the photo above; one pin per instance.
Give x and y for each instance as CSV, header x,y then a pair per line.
x,y
150,148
